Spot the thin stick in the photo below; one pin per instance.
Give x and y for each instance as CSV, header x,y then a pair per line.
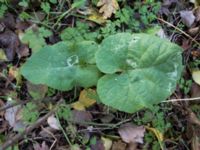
x,y
19,136
184,99
193,40
3,108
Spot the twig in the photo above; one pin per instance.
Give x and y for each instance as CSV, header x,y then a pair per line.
x,y
13,105
19,136
63,131
184,99
187,35
55,139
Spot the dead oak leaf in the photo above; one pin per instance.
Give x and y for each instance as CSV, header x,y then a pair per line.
x,y
108,7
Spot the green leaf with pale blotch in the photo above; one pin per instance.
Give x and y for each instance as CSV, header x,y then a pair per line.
x,y
63,65
141,70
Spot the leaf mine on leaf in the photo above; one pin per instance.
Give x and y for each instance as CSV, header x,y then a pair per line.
x,y
63,65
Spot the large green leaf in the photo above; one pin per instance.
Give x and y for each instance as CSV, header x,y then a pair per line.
x,y
63,65
142,70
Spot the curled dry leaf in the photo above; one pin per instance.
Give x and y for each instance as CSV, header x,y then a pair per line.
x,y
108,7
131,133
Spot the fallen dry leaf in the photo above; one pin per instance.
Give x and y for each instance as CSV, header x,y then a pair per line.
x,y
36,91
195,90
187,17
95,16
81,116
131,133
119,145
85,100
107,118
53,122
10,42
13,118
107,143
196,76
108,7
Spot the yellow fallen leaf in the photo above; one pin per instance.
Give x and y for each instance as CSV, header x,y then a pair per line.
x,y
108,7
85,100
95,16
78,106
107,143
196,76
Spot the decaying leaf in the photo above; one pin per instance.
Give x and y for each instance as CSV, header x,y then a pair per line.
x,y
10,42
195,90
108,7
131,133
119,145
85,100
95,16
81,116
37,91
13,118
187,17
196,76
53,122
